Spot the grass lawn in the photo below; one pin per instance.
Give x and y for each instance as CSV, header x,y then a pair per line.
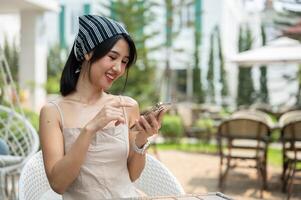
x,y
274,155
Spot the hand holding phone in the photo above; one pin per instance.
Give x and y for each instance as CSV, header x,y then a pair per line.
x,y
156,110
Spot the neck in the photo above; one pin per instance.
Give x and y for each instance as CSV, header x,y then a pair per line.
x,y
86,93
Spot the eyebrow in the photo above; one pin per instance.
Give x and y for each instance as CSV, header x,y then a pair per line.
x,y
112,51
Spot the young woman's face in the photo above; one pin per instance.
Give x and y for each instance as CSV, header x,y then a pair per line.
x,y
110,67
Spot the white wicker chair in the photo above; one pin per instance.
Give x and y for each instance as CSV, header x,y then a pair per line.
x,y
155,180
22,140
15,130
33,183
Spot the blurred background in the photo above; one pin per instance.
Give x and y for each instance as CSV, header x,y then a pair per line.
x,y
208,57
185,48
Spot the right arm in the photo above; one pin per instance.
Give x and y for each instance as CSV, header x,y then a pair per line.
x,y
61,170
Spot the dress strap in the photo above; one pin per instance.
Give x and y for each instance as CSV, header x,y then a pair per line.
x,y
123,109
60,111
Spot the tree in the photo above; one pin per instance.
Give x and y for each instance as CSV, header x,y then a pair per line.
x,y
11,53
197,82
223,74
136,15
245,87
263,92
55,64
210,73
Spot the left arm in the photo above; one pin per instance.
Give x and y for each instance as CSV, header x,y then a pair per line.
x,y
139,136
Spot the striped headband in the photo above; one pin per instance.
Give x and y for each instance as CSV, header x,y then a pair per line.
x,y
93,30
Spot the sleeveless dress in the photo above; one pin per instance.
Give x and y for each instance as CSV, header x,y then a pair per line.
x,y
104,173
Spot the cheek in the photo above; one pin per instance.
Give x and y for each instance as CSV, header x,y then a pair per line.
x,y
122,72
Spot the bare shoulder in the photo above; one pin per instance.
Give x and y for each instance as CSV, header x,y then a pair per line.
x,y
130,100
49,113
126,99
48,108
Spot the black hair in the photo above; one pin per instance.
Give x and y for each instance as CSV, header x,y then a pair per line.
x,y
69,76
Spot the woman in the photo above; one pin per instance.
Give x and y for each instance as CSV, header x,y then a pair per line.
x,y
88,149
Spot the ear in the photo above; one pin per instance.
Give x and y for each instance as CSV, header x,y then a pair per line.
x,y
88,56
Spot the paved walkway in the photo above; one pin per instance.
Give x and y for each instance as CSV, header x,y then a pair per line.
x,y
198,173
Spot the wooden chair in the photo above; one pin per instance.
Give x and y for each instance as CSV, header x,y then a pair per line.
x,y
244,136
291,148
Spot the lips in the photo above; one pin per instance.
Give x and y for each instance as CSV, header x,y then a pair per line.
x,y
110,77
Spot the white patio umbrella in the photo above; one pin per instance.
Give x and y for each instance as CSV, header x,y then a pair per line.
x,y
281,50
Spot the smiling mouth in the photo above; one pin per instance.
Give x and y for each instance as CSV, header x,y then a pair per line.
x,y
110,77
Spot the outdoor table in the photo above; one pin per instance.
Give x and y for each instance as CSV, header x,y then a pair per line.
x,y
209,196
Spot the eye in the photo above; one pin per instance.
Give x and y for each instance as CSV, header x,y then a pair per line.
x,y
125,61
112,57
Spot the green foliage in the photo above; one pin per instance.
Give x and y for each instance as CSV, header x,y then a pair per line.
x,y
140,85
53,84
210,73
298,94
216,58
263,93
223,75
11,53
136,15
33,118
206,128
55,64
199,147
245,87
198,90
172,127
206,124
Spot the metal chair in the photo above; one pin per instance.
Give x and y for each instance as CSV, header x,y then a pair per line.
x,y
291,148
244,136
155,180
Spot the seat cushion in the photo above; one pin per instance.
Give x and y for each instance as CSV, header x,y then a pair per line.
x,y
51,195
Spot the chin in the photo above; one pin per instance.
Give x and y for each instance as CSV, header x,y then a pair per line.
x,y
107,86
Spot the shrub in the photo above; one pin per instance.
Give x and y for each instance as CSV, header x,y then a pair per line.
x,y
53,85
33,118
206,126
172,127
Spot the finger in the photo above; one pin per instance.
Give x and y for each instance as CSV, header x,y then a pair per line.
x,y
154,122
160,116
115,115
146,125
138,126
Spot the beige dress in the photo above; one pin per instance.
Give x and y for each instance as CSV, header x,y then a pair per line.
x,y
104,174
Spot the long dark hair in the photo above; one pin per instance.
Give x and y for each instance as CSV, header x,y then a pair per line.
x,y
69,76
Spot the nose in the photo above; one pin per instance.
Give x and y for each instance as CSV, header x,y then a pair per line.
x,y
117,67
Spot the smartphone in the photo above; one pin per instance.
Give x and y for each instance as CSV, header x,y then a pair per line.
x,y
157,109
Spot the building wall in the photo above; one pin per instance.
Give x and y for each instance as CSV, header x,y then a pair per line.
x,y
10,27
